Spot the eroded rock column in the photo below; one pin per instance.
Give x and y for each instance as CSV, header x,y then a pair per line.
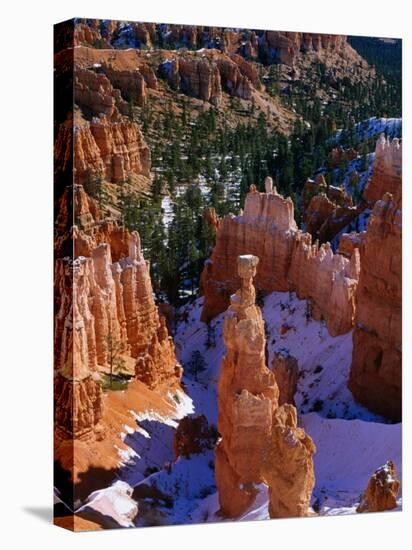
x,y
260,441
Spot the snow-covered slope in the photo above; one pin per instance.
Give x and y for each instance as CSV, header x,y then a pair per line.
x,y
348,452
374,126
324,361
351,442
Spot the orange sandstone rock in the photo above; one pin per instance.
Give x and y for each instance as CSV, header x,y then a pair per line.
x,y
288,466
115,150
387,171
376,371
286,370
382,490
247,397
254,429
288,261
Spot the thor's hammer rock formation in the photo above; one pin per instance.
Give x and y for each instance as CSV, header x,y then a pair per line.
x,y
250,422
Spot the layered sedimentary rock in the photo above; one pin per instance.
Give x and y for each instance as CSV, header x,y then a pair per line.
x,y
249,417
114,150
273,46
106,318
93,91
376,372
382,490
348,242
288,261
288,466
193,75
329,281
88,33
247,397
318,186
284,47
387,171
206,75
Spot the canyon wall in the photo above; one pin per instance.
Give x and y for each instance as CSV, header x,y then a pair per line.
x,y
257,435
288,261
205,75
114,150
271,46
376,372
106,319
387,171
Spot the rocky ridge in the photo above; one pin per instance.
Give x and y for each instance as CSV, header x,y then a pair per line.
x,y
288,261
376,372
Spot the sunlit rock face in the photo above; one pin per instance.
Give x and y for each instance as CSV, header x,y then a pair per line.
x,y
288,261
250,421
382,490
105,318
113,150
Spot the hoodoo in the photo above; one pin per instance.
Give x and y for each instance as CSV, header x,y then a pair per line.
x,y
288,261
376,372
247,397
256,433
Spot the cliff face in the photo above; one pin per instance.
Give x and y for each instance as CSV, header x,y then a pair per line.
x,y
376,372
249,416
115,150
93,91
106,320
387,171
274,46
206,75
286,46
288,261
326,209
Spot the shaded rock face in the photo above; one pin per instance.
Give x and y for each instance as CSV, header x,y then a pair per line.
x,y
326,209
193,436
88,33
286,370
106,142
126,72
247,401
339,154
382,490
94,92
387,171
376,371
288,261
348,242
79,407
247,398
115,150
